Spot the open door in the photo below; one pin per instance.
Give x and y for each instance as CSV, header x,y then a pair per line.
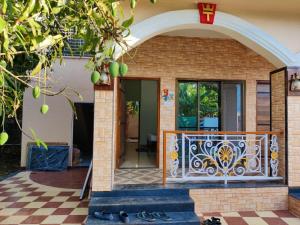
x,y
137,123
121,123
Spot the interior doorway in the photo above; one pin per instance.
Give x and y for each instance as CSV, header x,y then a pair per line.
x,y
83,129
138,107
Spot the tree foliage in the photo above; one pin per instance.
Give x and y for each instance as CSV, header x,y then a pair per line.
x,y
33,34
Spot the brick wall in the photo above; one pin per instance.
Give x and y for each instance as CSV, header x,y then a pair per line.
x,y
240,199
294,206
103,141
171,58
278,113
294,140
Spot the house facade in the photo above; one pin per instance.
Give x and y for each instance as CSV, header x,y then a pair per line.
x,y
201,104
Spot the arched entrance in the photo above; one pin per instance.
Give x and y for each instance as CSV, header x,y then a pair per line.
x,y
233,26
238,29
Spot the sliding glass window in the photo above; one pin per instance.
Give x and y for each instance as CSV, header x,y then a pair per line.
x,y
210,105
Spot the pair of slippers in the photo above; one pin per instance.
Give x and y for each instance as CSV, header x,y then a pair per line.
x,y
109,216
151,217
212,221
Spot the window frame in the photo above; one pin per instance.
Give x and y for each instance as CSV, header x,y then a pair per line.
x,y
219,82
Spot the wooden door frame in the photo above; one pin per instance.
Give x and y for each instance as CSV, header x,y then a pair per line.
x,y
117,155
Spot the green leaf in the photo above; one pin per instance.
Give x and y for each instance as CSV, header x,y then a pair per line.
x,y
41,142
56,10
2,24
71,103
61,2
6,40
4,6
36,69
127,23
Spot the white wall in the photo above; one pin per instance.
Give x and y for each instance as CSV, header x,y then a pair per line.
x,y
57,124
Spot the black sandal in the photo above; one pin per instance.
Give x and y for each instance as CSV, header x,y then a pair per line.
x,y
161,216
145,216
102,215
215,221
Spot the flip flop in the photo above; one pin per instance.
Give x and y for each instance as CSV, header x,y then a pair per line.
x,y
145,216
102,215
124,217
216,221
161,216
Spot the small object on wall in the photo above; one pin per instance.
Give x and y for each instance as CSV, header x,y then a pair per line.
x,y
168,97
207,12
295,82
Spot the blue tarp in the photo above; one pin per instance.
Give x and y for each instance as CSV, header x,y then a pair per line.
x,y
55,158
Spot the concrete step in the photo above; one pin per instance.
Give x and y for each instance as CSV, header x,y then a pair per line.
x,y
133,204
143,192
178,218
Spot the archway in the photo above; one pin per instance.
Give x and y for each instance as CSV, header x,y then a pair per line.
x,y
233,26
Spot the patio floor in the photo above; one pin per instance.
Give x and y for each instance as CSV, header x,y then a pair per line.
x,y
25,199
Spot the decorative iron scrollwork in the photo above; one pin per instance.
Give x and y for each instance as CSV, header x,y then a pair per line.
x,y
173,156
215,156
274,161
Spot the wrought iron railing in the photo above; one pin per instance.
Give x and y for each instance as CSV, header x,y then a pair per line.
x,y
220,156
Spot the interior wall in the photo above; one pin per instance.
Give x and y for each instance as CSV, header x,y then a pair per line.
x,y
229,107
148,114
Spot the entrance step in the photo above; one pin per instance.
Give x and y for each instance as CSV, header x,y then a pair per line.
x,y
178,218
175,202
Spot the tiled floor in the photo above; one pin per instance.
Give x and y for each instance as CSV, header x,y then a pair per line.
x,y
138,176
255,218
23,201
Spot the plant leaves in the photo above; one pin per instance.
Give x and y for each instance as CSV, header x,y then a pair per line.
x,y
127,23
2,24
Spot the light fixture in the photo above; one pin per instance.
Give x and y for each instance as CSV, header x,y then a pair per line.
x,y
295,82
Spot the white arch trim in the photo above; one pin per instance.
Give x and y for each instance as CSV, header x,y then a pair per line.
x,y
233,26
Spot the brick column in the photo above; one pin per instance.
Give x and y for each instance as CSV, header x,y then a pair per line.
x,y
286,117
102,179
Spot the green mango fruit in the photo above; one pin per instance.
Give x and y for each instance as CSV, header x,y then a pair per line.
x,y
3,63
44,108
153,1
114,68
3,138
36,91
123,69
95,77
132,4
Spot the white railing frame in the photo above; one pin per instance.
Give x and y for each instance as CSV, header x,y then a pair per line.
x,y
243,151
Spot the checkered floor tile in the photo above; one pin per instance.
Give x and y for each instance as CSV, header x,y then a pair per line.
x,y
255,218
23,201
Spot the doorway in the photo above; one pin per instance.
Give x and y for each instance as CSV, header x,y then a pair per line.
x,y
83,129
138,107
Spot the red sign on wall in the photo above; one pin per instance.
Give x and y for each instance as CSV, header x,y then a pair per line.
x,y
207,12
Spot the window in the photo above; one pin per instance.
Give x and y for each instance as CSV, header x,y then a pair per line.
x,y
210,105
